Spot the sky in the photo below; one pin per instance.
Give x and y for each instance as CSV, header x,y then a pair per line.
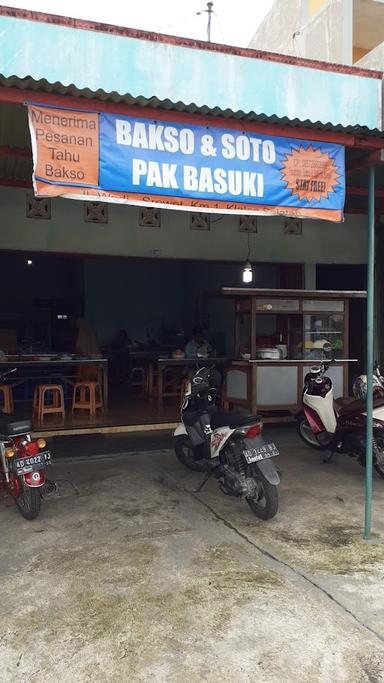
x,y
234,22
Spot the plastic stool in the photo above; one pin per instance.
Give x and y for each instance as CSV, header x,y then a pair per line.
x,y
87,396
41,407
7,405
139,379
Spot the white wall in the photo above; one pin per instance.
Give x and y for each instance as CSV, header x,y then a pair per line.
x,y
275,32
288,30
321,242
373,60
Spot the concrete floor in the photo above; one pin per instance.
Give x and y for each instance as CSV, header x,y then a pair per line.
x,y
129,576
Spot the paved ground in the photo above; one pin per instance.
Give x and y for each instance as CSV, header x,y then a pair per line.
x,y
130,576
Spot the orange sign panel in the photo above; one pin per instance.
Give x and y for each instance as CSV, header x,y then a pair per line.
x,y
310,173
65,146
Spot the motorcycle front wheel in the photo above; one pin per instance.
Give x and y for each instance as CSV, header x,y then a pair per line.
x,y
184,453
306,434
266,502
29,501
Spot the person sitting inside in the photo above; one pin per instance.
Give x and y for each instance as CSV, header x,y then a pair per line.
x,y
198,346
120,341
87,346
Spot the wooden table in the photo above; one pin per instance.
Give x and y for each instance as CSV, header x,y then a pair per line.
x,y
61,363
163,363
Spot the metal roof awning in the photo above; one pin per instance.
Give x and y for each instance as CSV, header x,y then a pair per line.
x,y
28,83
69,56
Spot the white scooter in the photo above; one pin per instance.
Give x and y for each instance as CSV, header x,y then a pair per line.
x,y
228,446
339,426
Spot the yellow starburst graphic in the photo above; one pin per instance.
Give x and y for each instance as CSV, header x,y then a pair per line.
x,y
310,173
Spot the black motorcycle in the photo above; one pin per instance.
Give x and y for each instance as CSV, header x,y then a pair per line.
x,y
228,446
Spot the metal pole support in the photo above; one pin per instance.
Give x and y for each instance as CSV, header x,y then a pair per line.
x,y
370,332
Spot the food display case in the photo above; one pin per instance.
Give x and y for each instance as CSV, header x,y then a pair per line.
x,y
278,336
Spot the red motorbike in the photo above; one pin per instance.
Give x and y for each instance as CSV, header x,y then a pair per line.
x,y
22,463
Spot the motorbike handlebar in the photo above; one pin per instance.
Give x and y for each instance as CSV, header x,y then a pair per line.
x,y
327,364
3,375
322,367
204,371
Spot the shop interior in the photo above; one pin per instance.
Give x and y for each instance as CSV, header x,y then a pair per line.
x,y
120,323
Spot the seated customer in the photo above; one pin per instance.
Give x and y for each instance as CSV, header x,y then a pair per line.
x,y
120,341
198,346
86,343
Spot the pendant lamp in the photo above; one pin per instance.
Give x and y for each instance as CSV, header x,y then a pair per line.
x,y
247,268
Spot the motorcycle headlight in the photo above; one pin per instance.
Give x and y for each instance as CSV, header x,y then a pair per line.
x,y
9,452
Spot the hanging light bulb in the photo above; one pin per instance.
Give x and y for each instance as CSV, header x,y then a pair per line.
x,y
247,272
247,269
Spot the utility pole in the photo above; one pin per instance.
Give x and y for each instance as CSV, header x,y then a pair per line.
x,y
209,11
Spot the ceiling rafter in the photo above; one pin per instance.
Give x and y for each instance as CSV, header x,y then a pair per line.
x,y
18,152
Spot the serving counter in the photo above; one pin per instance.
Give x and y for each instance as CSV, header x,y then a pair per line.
x,y
278,336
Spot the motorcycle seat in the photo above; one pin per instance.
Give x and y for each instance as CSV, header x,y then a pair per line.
x,y
11,427
233,420
355,405
343,401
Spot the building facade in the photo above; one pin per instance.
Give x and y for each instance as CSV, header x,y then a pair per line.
x,y
166,266
339,31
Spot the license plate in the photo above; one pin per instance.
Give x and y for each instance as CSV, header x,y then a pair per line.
x,y
268,450
33,462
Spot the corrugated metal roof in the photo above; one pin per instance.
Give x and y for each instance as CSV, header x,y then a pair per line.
x,y
43,85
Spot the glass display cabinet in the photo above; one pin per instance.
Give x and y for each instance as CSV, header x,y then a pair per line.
x,y
278,336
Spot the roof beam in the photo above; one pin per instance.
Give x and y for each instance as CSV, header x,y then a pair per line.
x,y
14,182
362,192
359,211
18,152
373,158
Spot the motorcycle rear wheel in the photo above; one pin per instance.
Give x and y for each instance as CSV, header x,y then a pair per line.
x,y
184,453
29,502
266,503
306,434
